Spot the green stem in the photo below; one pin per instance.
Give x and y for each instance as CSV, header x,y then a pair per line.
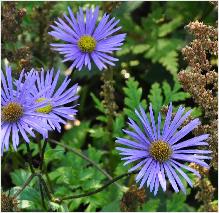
x,y
45,187
28,182
42,154
80,154
30,159
99,189
49,182
25,185
42,195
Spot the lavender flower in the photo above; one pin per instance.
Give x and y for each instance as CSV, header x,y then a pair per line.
x,y
18,110
86,41
159,153
46,85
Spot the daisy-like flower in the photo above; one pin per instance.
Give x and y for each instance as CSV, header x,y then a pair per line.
x,y
18,110
85,40
46,85
161,154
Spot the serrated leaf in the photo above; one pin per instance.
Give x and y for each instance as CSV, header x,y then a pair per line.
x,y
156,98
180,96
173,95
31,194
19,176
140,48
165,52
167,92
169,27
170,62
98,104
133,98
52,154
176,203
94,154
118,124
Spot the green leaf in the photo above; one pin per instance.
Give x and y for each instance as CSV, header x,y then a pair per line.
x,y
54,206
133,98
176,203
155,97
31,194
19,176
174,94
94,154
169,27
170,61
63,208
77,134
118,124
98,104
165,52
140,48
167,92
113,206
52,154
150,206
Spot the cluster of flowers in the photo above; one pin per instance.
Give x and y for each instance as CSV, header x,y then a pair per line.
x,y
34,103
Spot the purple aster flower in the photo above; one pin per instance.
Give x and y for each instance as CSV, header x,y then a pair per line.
x,y
46,85
160,154
18,110
85,40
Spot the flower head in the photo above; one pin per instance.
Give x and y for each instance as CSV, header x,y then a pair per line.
x,y
160,153
85,40
18,110
56,97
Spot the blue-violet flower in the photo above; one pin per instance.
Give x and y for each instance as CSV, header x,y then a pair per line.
x,y
18,110
160,153
86,41
57,97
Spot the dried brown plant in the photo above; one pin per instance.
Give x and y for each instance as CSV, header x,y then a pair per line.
x,y
8,203
201,81
11,29
132,199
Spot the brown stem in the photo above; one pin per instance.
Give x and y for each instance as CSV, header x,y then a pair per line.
x,y
99,189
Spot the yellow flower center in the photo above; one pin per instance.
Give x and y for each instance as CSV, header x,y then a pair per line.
x,y
12,112
46,109
87,43
160,151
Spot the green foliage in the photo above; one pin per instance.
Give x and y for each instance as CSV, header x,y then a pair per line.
x,y
29,198
163,95
113,206
99,105
177,203
150,206
155,97
77,135
133,98
19,176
